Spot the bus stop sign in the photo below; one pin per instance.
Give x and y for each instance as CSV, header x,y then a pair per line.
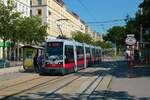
x,y
130,40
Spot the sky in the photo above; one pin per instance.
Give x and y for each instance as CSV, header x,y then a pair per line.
x,y
103,10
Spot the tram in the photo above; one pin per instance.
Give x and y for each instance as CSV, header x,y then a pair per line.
x,y
65,56
29,52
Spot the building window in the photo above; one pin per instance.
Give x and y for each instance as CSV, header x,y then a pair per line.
x,y
15,4
39,12
23,9
30,12
30,2
39,2
49,12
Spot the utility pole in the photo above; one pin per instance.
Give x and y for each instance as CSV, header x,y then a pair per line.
x,y
141,28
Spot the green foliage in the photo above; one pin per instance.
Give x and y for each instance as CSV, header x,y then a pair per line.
x,y
31,30
133,24
23,29
82,37
117,35
104,44
86,38
145,17
19,29
7,19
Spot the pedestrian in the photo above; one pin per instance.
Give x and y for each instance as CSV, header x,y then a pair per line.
x,y
39,61
35,63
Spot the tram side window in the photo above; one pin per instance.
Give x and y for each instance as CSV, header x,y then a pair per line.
x,y
96,52
93,51
80,52
99,52
87,52
69,54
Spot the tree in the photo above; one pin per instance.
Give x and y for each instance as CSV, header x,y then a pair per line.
x,y
15,27
31,30
82,37
145,19
8,17
133,24
117,35
104,44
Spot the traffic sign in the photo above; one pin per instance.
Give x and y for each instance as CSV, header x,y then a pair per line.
x,y
130,35
130,40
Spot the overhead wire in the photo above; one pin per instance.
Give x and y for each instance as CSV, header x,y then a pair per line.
x,y
87,10
102,24
108,21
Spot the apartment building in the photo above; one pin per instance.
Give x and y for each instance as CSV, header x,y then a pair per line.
x,y
97,36
22,6
59,20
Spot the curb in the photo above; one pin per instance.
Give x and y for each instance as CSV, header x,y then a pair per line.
x,y
11,70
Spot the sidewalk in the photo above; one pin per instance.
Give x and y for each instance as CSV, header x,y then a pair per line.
x,y
125,88
141,65
11,70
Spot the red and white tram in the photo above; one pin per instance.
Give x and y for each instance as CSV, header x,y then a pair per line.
x,y
65,56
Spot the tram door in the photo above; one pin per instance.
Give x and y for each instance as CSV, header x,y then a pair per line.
x,y
69,57
80,57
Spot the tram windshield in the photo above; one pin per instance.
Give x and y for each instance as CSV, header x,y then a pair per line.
x,y
54,51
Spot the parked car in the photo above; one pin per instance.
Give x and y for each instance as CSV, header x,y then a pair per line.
x,y
4,63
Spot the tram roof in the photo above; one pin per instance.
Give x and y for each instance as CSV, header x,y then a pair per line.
x,y
58,40
72,42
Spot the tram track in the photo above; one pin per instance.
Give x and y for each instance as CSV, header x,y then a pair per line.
x,y
84,93
92,86
39,85
99,82
18,83
45,86
32,87
54,92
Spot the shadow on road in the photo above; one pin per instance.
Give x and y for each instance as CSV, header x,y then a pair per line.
x,y
123,95
98,95
122,69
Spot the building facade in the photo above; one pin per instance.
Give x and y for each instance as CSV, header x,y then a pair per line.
x,y
59,20
97,36
22,6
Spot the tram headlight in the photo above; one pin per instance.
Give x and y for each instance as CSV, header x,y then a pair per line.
x,y
60,62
